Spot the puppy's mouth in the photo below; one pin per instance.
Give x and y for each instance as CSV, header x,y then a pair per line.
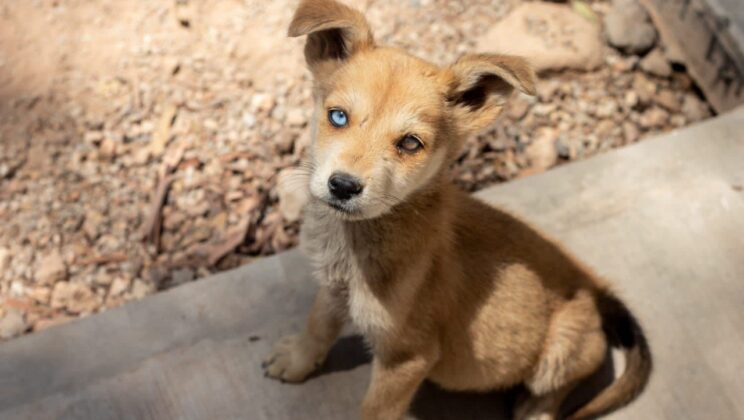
x,y
344,209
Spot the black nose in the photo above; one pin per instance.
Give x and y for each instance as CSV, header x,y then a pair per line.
x,y
344,186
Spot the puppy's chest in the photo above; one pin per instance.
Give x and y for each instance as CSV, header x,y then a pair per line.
x,y
339,265
325,242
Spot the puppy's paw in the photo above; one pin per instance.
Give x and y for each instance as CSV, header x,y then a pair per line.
x,y
532,408
533,415
292,360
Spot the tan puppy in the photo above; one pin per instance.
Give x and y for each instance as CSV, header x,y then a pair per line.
x,y
442,286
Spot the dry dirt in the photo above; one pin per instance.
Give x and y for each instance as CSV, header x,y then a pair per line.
x,y
103,103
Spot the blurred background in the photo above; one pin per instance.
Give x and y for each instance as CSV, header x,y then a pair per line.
x,y
141,141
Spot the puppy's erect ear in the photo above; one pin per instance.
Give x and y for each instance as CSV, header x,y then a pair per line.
x,y
481,85
335,33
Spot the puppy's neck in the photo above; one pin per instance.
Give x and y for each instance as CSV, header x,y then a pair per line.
x,y
421,215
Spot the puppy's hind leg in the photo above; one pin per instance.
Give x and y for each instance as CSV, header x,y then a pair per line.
x,y
575,347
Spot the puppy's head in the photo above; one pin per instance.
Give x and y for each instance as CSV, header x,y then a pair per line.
x,y
386,122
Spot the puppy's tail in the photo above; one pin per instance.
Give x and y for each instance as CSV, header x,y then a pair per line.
x,y
622,330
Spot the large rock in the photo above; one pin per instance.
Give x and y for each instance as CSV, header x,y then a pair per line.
x,y
655,63
542,152
694,109
51,269
74,297
4,260
629,27
12,324
551,36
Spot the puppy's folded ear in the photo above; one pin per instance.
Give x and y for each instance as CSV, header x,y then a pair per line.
x,y
481,85
335,33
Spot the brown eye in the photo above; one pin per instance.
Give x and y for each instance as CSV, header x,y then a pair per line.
x,y
410,144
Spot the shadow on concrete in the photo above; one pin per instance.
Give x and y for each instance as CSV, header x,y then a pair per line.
x,y
435,403
348,353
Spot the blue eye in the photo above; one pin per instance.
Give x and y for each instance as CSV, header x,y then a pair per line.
x,y
338,118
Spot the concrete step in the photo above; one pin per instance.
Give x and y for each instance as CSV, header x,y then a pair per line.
x,y
663,219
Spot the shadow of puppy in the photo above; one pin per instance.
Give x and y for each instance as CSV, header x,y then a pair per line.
x,y
435,403
348,353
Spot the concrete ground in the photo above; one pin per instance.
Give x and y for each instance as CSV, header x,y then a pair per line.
x,y
663,219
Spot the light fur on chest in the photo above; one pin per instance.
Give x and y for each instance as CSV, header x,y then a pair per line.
x,y
337,266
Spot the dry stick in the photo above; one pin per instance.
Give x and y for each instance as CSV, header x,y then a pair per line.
x,y
27,305
152,226
233,239
162,133
240,154
21,304
172,160
103,259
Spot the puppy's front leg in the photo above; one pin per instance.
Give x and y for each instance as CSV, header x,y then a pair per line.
x,y
394,383
296,356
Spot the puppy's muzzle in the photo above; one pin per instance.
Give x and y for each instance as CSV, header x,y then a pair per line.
x,y
344,186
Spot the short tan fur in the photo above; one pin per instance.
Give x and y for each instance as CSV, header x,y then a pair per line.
x,y
442,286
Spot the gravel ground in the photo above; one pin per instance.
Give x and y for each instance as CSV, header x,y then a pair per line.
x,y
110,109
